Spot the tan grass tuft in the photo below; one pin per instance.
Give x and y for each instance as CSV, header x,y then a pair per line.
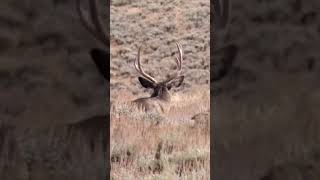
x,y
160,146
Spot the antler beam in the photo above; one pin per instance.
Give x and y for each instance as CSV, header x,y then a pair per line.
x,y
96,27
180,58
137,65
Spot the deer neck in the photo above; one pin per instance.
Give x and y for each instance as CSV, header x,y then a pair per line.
x,y
165,96
162,94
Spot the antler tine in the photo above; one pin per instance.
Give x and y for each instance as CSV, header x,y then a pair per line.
x,y
137,60
221,18
95,28
83,19
97,22
137,65
180,58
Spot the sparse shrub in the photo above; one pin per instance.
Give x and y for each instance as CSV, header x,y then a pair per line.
x,y
153,118
170,141
121,153
121,2
202,120
188,161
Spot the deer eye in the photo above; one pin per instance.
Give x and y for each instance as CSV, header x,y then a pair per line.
x,y
169,87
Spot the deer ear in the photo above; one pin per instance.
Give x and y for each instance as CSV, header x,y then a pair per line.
x,y
176,82
100,58
146,83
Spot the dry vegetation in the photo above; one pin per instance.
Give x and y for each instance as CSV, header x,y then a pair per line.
x,y
153,146
157,25
175,145
48,80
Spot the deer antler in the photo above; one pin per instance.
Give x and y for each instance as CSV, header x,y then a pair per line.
x,y
179,60
221,18
137,65
95,28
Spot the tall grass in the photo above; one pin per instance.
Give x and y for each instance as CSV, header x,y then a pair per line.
x,y
160,146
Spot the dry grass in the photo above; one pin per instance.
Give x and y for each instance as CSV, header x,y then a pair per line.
x,y
150,145
155,146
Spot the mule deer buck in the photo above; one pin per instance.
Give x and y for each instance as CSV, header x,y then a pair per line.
x,y
96,127
160,99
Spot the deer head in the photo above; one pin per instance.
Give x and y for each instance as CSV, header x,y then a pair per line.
x,y
160,88
98,55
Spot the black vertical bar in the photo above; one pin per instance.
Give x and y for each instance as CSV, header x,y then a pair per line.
x,y
107,146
